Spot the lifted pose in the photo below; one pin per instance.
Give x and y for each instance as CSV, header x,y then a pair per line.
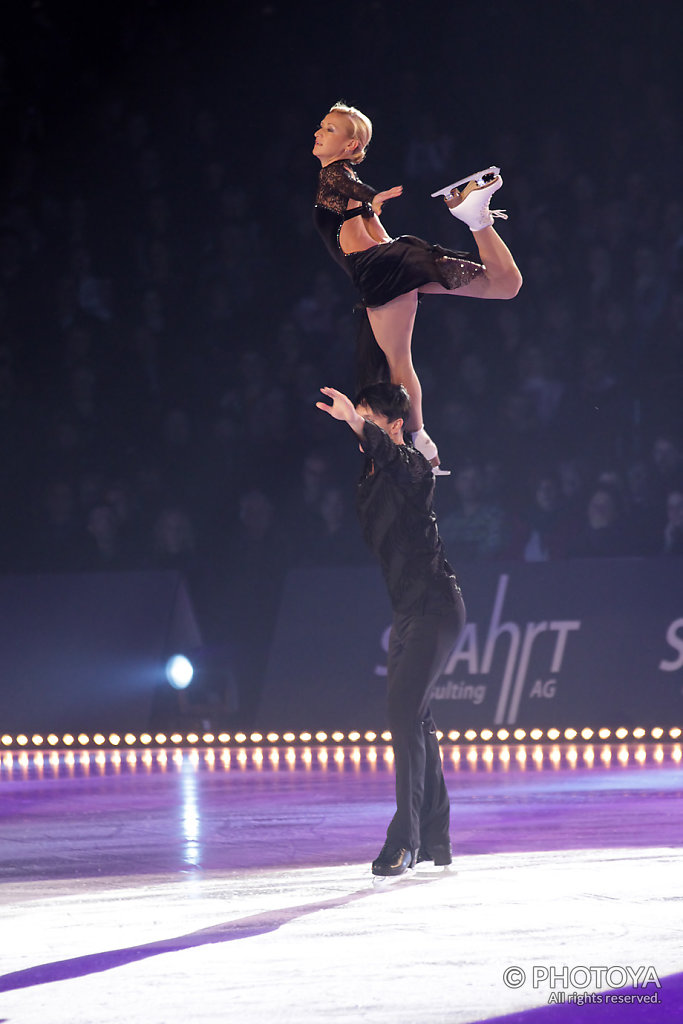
x,y
395,508
390,273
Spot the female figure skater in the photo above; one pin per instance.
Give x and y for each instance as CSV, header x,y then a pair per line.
x,y
390,273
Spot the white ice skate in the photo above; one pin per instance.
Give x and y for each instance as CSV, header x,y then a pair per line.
x,y
480,177
424,444
471,203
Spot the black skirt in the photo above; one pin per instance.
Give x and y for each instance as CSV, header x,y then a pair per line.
x,y
390,269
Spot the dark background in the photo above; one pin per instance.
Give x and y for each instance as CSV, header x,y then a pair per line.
x,y
167,313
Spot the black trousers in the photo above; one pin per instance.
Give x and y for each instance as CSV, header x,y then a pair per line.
x,y
418,650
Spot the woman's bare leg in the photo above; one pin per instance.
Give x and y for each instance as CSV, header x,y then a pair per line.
x,y
392,325
500,279
500,270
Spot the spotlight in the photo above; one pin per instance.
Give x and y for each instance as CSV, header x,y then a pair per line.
x,y
179,671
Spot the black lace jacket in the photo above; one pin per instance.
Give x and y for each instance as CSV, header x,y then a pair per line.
x,y
395,507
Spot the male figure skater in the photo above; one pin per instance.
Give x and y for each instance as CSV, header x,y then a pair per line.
x,y
395,508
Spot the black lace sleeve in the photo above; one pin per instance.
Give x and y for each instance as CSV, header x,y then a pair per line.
x,y
404,464
338,183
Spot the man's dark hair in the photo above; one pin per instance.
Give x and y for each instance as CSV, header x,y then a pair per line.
x,y
385,399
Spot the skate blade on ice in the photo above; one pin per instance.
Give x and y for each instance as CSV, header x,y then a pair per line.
x,y
463,181
381,881
424,873
426,869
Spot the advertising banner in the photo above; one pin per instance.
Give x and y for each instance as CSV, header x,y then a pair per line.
x,y
589,642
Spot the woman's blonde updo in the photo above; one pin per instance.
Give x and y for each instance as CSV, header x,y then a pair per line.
x,y
361,128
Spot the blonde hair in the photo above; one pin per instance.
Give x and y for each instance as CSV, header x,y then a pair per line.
x,y
361,128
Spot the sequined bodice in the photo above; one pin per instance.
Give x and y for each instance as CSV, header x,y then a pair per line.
x,y
337,183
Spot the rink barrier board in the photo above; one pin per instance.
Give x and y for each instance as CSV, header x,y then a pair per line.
x,y
583,644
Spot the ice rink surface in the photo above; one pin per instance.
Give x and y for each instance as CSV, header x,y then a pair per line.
x,y
206,886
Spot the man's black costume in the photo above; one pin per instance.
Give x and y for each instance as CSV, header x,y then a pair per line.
x,y
395,507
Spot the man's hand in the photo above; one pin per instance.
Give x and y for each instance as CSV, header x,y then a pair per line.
x,y
342,409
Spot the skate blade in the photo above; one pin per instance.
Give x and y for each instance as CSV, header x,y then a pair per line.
x,y
382,881
429,870
463,181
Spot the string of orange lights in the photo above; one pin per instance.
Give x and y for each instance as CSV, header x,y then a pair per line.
x,y
114,741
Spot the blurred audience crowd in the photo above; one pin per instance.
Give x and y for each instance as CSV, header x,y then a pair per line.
x,y
167,316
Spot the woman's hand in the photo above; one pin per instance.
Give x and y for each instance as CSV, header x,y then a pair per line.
x,y
381,197
342,409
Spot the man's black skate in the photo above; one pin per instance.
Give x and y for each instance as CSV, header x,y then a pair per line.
x,y
440,853
392,861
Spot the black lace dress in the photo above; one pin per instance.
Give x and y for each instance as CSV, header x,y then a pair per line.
x,y
388,269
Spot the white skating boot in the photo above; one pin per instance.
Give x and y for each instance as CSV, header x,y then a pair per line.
x,y
471,203
425,446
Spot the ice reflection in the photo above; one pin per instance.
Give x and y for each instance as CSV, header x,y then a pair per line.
x,y
191,820
373,758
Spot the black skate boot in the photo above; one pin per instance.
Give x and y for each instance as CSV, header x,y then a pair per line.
x,y
392,861
440,853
